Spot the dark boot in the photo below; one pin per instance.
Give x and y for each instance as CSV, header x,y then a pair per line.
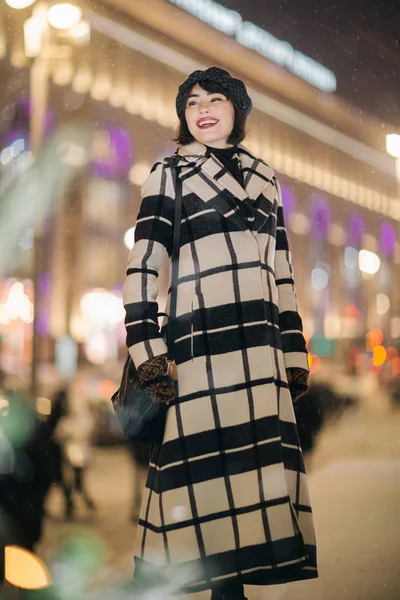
x,y
229,591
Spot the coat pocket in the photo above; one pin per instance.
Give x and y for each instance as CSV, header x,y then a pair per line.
x,y
198,330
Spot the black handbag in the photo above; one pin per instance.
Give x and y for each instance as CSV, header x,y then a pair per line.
x,y
141,418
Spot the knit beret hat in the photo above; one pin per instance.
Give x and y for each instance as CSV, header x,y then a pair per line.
x,y
235,87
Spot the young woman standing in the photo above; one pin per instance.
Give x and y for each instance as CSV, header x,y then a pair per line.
x,y
226,500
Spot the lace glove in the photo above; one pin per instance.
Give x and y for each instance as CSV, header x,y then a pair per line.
x,y
154,379
298,382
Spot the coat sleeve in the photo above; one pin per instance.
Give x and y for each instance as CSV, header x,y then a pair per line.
x,y
153,235
290,323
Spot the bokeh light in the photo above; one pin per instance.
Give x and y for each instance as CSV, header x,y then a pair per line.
x,y
129,238
382,304
321,218
64,16
388,238
392,353
368,262
352,311
139,173
379,356
319,278
19,4
373,338
395,327
350,257
396,367
43,405
299,223
314,363
25,570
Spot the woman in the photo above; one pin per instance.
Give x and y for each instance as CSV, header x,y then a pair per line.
x,y
226,499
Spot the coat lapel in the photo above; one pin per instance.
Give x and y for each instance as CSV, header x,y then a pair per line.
x,y
208,179
259,185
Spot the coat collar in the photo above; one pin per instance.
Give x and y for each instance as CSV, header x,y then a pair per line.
x,y
207,178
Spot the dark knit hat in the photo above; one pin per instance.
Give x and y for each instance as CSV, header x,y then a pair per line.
x,y
235,87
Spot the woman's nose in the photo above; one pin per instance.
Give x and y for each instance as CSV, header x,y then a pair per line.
x,y
204,107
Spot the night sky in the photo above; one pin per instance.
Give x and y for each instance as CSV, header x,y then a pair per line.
x,y
357,39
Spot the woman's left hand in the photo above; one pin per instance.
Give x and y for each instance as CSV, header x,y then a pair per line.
x,y
298,382
153,377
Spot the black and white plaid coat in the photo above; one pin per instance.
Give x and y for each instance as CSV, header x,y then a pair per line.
x,y
226,495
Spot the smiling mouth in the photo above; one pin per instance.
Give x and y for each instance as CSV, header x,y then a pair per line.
x,y
207,124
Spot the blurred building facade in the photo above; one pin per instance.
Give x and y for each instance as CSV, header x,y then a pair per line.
x,y
340,191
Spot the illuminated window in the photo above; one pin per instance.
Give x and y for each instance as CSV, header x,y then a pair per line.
x,y
356,229
112,153
387,238
288,200
321,218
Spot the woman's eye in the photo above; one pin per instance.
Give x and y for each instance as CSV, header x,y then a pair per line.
x,y
217,99
191,103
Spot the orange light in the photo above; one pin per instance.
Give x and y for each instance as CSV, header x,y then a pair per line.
x,y
351,311
373,338
379,356
315,364
392,353
310,360
25,570
107,388
396,367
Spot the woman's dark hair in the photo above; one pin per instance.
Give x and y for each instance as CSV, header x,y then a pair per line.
x,y
238,133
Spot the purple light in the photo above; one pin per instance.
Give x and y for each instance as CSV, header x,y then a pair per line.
x,y
44,283
356,230
16,134
43,325
388,238
20,126
118,288
43,320
321,218
288,200
49,118
116,158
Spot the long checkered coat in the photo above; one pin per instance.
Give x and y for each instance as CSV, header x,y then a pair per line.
x,y
226,495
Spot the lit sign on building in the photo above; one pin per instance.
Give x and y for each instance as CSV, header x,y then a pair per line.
x,y
247,34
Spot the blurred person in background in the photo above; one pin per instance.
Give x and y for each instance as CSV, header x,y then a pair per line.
x,y
56,453
226,495
75,436
27,469
8,533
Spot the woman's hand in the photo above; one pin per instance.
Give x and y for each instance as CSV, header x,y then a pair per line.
x,y
153,377
298,382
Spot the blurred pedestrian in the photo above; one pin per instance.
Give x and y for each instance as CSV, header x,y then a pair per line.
x,y
75,435
56,453
27,469
227,494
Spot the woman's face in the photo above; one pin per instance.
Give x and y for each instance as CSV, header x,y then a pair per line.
x,y
210,117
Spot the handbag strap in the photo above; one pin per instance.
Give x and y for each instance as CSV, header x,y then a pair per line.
x,y
175,262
